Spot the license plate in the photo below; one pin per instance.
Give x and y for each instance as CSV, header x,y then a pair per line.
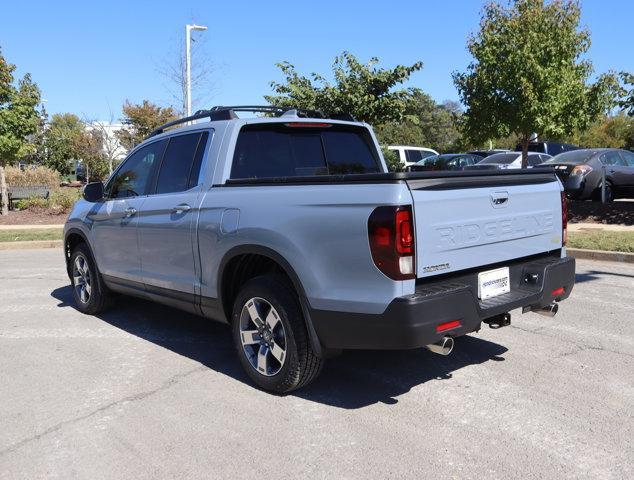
x,y
493,283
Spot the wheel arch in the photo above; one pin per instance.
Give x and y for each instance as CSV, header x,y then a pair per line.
x,y
227,292
72,238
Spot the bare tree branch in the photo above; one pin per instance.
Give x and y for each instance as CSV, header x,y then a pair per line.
x,y
173,69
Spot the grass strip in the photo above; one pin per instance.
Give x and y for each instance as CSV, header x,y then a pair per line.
x,y
602,240
28,235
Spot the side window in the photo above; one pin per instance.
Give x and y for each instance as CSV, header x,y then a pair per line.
x,y
628,157
181,163
198,160
133,178
413,155
611,158
534,160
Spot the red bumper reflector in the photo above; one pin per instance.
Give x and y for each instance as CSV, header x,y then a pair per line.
x,y
448,325
559,291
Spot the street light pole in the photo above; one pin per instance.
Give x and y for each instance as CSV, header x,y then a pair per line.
x,y
188,66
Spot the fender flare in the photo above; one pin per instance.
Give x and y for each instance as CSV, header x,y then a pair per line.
x,y
68,233
290,272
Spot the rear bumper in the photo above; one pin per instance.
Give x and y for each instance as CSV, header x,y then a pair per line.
x,y
411,321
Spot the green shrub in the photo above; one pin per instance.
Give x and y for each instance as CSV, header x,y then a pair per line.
x,y
392,160
60,201
32,177
33,204
63,199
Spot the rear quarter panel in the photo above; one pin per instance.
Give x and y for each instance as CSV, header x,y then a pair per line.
x,y
320,230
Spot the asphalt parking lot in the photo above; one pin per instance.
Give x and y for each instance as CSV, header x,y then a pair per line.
x,y
148,392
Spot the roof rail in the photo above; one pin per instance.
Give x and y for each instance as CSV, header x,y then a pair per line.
x,y
228,113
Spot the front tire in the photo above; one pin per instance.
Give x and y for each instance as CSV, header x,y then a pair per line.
x,y
89,292
270,336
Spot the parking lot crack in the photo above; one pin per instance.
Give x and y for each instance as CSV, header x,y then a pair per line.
x,y
129,399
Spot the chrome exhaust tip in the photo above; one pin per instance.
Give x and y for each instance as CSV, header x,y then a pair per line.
x,y
548,310
443,347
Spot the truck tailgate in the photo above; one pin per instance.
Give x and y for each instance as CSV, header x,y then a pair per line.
x,y
475,220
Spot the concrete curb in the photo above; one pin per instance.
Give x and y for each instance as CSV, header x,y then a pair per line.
x,y
31,244
32,227
601,255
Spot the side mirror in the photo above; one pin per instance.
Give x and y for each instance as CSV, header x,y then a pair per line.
x,y
93,192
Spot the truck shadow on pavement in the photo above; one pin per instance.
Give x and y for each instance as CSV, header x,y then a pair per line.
x,y
355,379
591,275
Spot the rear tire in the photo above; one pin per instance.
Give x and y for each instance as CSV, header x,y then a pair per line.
x,y
609,193
270,336
89,292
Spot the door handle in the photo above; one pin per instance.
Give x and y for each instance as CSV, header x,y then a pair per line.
x,y
181,208
129,211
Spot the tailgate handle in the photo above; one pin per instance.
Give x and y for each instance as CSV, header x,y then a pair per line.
x,y
499,199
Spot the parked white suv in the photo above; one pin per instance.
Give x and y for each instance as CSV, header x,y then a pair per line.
x,y
411,155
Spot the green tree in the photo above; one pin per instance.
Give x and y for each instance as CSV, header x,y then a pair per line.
x,y
69,139
425,124
63,142
610,131
93,155
528,75
392,159
18,120
627,100
362,90
140,120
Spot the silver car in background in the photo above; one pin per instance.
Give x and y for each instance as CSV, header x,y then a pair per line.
x,y
508,160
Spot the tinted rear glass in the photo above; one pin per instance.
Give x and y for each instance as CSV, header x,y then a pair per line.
x,y
177,163
277,150
503,158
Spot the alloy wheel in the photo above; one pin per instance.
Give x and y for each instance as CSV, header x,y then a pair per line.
x,y
81,278
262,336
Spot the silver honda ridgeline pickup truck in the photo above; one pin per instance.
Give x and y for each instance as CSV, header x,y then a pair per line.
x,y
289,228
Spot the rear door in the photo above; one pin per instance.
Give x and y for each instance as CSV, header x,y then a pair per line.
x,y
466,222
616,170
166,221
628,157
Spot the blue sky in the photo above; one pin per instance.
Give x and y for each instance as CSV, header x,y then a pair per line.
x,y
88,57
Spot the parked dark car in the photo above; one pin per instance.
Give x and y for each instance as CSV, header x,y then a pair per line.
x,y
580,172
506,160
486,153
446,161
551,148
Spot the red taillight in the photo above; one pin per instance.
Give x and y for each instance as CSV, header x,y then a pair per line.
x,y
405,235
557,292
308,124
391,235
447,325
564,219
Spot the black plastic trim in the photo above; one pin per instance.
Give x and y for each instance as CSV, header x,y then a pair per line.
x,y
410,321
70,232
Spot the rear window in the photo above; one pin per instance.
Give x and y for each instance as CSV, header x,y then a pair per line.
x,y
573,156
414,155
278,150
502,158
